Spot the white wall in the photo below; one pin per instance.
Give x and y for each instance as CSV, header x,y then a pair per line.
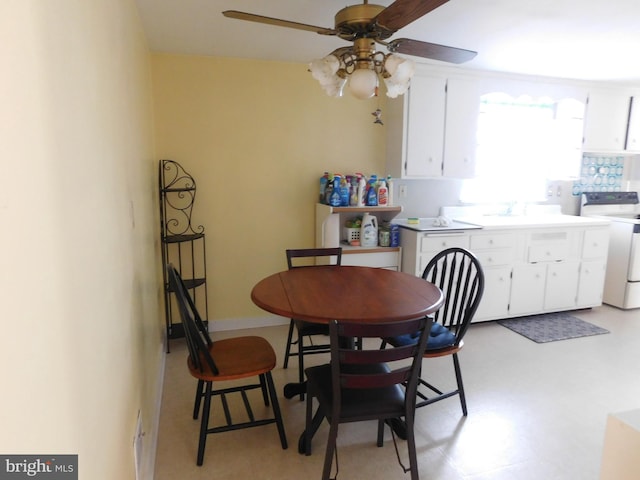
x,y
80,350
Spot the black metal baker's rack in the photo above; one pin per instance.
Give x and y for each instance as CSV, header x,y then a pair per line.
x,y
182,244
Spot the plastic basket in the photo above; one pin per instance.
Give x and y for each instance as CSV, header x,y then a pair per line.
x,y
351,234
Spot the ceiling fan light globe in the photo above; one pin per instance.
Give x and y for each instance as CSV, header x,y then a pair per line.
x,y
401,70
324,69
363,83
335,88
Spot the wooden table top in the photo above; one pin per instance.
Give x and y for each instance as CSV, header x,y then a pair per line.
x,y
361,294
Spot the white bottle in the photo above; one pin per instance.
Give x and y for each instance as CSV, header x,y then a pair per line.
x,y
383,194
390,190
369,231
362,191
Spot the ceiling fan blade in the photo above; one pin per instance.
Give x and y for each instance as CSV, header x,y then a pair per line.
x,y
277,22
403,12
430,50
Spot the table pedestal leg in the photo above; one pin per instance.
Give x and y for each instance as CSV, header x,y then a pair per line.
x,y
294,389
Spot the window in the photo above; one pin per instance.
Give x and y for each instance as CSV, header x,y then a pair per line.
x,y
522,143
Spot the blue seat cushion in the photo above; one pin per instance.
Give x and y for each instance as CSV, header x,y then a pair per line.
x,y
439,337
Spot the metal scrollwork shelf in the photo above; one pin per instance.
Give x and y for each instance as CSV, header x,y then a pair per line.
x,y
183,245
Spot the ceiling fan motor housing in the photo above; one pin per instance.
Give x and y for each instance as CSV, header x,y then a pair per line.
x,y
356,21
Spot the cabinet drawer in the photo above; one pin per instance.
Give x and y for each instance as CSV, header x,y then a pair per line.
x,y
596,243
436,243
548,253
492,258
482,242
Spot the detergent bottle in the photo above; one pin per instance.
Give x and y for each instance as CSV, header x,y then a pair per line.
x,y
383,193
369,231
335,198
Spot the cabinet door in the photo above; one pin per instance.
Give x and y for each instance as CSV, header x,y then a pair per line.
x,y
633,131
425,127
495,300
591,283
605,125
461,125
562,285
527,289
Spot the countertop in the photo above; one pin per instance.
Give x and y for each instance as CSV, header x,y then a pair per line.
x,y
532,221
434,225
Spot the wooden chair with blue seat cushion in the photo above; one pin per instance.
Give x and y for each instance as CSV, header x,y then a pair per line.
x,y
363,384
458,273
302,328
231,359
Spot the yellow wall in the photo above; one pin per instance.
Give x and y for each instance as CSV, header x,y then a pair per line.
x,y
81,345
256,136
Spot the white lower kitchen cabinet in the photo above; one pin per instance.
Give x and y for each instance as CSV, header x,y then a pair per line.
x,y
527,289
591,283
529,268
562,285
497,292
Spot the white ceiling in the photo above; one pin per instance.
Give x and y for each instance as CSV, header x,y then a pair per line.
x,y
583,39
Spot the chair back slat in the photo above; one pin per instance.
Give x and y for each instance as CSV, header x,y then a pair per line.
x,y
315,253
195,331
371,381
458,273
371,368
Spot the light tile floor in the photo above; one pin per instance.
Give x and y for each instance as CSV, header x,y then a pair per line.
x,y
536,411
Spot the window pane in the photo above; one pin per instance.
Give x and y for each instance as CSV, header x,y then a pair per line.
x,y
521,144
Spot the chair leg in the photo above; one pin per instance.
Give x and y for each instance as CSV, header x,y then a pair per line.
x,y
263,387
204,425
411,446
300,363
331,449
307,426
287,352
463,400
380,433
196,403
276,410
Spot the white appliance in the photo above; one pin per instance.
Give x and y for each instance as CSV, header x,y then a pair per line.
x,y
622,209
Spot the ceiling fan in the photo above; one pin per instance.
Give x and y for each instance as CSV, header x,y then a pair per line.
x,y
365,25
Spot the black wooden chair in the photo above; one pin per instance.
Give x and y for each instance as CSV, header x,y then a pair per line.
x,y
223,360
458,273
366,384
308,329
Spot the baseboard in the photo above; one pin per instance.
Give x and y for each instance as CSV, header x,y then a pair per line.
x,y
248,322
149,459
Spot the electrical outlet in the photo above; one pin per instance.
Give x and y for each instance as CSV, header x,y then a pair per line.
x,y
403,191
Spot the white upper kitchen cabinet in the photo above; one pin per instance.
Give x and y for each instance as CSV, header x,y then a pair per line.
x,y
605,126
415,129
461,125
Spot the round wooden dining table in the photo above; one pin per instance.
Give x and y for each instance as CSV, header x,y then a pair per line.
x,y
356,294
